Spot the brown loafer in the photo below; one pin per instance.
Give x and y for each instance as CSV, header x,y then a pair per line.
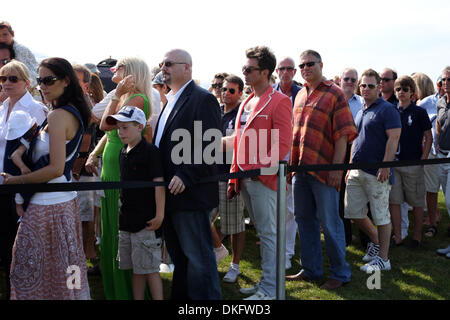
x,y
332,284
298,277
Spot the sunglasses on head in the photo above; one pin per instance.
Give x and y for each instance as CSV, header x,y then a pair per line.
x,y
232,91
217,85
12,79
48,81
371,86
347,79
286,68
246,69
307,64
405,89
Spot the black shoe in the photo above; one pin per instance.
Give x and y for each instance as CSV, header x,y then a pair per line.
x,y
394,244
94,271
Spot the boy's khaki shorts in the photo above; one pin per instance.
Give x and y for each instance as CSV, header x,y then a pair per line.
x,y
409,186
140,251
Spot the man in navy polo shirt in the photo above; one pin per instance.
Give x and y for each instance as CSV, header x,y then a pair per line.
x,y
379,129
409,181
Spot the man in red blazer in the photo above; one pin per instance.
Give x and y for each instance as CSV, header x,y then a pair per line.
x,y
263,138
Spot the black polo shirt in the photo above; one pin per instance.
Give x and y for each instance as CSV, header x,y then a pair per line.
x,y
143,162
415,122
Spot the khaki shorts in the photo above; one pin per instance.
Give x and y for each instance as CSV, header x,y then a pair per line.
x,y
431,174
232,220
409,186
140,251
363,187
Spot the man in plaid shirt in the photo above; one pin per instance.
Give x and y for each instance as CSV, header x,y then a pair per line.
x,y
323,125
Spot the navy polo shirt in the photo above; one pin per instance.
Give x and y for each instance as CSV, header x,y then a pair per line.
x,y
372,123
143,163
227,125
415,122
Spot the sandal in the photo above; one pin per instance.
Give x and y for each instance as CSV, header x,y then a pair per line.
x,y
431,232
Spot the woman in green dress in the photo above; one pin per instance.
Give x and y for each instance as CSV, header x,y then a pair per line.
x,y
133,80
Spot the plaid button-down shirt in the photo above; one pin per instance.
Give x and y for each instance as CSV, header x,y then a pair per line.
x,y
319,121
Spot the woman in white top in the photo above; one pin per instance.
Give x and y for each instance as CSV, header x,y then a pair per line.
x,y
15,80
48,245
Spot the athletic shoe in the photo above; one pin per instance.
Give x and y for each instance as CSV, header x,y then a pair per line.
x,y
232,275
372,252
260,296
221,253
376,264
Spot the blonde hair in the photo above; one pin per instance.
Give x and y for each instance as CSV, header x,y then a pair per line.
x,y
425,86
142,77
19,67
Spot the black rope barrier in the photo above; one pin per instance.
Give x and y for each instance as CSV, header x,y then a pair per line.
x,y
84,186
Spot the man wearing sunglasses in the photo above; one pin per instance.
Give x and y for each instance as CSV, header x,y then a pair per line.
x,y
379,130
388,77
323,125
186,224
264,116
286,71
216,85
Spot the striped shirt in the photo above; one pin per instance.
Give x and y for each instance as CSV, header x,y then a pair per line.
x,y
320,120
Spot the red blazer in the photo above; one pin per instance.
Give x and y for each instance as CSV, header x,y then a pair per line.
x,y
273,111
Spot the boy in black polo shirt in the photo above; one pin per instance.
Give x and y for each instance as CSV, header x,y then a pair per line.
x,y
142,210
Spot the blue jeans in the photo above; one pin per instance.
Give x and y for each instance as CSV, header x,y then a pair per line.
x,y
316,203
189,242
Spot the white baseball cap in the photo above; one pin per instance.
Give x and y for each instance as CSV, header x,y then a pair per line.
x,y
18,124
127,114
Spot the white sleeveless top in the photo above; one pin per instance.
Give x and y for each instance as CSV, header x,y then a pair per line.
x,y
48,198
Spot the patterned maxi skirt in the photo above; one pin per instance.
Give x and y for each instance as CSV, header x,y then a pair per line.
x,y
48,259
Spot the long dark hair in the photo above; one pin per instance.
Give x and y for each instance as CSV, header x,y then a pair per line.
x,y
73,94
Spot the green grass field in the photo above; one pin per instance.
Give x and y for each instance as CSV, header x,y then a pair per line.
x,y
416,274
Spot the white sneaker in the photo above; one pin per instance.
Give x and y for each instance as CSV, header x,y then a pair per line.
x,y
251,290
376,264
447,255
231,275
221,253
443,252
166,268
372,252
260,296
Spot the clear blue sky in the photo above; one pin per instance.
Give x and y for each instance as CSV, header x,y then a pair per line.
x,y
409,36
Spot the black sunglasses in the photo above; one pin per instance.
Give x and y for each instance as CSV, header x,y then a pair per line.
x,y
347,79
371,86
12,79
445,79
48,81
405,89
232,91
217,85
308,64
168,64
386,79
286,68
246,69
5,61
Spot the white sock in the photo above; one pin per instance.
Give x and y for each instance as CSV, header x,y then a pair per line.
x,y
235,266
